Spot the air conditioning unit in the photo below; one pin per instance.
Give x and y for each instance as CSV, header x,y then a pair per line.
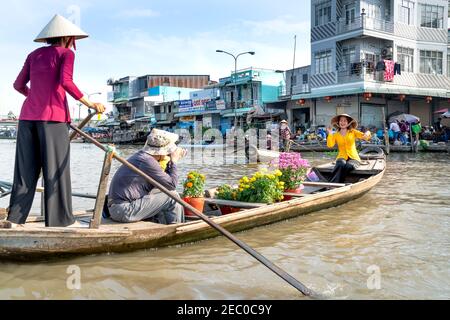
x,y
387,52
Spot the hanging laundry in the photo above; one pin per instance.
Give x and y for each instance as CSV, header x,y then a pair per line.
x,y
389,70
381,66
397,69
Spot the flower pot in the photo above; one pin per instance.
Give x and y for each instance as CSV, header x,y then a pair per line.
x,y
228,209
298,191
197,203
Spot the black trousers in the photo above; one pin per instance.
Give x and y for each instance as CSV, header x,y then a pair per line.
x,y
342,169
42,145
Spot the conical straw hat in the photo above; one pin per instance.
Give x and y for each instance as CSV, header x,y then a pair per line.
x,y
352,123
60,27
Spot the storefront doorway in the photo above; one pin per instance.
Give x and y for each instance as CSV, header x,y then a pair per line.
x,y
372,115
301,119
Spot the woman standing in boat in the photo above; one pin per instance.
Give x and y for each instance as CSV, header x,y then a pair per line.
x,y
286,135
345,137
43,134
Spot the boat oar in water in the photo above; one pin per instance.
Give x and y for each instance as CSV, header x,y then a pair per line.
x,y
82,124
277,270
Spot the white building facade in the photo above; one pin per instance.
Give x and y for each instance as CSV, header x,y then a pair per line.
x,y
354,44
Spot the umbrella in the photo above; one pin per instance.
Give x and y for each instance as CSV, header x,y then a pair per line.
x,y
393,114
441,110
446,115
406,117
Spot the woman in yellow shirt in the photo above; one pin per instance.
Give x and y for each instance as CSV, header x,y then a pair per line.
x,y
345,137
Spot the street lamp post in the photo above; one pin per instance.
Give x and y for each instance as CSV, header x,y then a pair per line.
x,y
235,78
79,104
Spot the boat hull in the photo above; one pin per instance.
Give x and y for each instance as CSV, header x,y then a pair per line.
x,y
35,242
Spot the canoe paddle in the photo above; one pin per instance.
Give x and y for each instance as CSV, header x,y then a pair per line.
x,y
277,270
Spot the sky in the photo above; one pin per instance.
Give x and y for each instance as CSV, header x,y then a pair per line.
x,y
156,37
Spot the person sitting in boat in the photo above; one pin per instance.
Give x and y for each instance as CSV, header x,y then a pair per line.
x,y
345,137
131,198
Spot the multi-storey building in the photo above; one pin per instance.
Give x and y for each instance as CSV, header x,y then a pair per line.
x,y
355,44
134,97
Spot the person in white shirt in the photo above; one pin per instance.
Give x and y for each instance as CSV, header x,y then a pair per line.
x,y
395,129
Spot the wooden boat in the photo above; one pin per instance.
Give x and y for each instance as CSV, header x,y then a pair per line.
x,y
33,241
436,147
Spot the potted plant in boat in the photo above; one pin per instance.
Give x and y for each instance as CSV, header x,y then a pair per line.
x,y
293,169
226,192
262,187
193,192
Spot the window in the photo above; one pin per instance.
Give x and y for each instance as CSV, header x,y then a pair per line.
x,y
348,57
323,13
372,9
294,80
431,16
448,65
305,77
350,11
406,11
322,61
405,56
431,62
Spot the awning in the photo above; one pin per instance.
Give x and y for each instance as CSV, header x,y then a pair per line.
x,y
330,92
109,124
337,91
120,101
238,113
195,113
145,119
164,122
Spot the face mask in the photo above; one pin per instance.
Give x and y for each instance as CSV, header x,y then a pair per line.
x,y
283,126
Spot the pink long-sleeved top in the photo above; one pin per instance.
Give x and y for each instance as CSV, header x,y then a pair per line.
x,y
50,73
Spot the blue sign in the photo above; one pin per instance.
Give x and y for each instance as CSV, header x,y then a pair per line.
x,y
184,105
211,105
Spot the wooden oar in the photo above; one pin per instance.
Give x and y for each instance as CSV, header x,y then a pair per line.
x,y
82,124
277,270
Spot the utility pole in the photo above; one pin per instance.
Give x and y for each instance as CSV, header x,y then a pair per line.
x,y
293,66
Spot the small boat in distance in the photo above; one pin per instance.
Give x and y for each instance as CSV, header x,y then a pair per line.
x,y
34,241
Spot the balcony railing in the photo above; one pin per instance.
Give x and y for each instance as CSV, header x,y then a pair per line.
x,y
286,92
406,79
161,116
240,104
365,23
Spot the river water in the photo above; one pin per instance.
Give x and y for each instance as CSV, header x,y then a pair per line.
x,y
392,243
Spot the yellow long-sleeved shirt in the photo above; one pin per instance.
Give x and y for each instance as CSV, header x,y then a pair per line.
x,y
346,144
163,163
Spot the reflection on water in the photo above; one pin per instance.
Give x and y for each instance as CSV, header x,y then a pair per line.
x,y
401,227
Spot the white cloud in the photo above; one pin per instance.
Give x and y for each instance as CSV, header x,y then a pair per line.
x,y
138,13
280,25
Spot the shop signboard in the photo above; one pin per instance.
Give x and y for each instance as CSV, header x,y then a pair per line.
x,y
220,105
187,119
189,106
